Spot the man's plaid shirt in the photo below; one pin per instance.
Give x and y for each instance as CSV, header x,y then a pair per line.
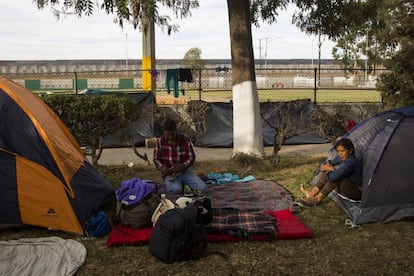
x,y
166,155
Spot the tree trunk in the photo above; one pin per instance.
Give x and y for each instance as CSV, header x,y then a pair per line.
x,y
247,127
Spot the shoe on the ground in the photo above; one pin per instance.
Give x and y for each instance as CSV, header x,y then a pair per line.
x,y
188,191
295,207
304,203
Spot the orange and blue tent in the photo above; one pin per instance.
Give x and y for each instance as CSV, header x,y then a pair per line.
x,y
45,179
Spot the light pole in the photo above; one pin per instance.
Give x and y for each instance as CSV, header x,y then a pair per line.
x,y
267,40
126,51
319,59
260,49
312,50
366,60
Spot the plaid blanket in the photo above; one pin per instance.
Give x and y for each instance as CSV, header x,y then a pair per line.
x,y
252,195
242,224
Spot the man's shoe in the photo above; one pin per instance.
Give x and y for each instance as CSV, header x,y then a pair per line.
x,y
188,191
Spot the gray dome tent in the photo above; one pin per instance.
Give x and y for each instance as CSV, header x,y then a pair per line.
x,y
385,142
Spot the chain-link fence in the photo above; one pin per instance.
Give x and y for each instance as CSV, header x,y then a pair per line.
x,y
215,85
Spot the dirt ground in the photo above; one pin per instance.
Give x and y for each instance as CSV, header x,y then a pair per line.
x,y
120,156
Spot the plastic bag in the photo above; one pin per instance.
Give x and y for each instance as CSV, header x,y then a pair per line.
x,y
164,205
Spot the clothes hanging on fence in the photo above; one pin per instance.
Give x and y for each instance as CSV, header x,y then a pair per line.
x,y
184,74
173,76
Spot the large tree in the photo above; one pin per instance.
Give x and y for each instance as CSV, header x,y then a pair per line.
x,y
247,127
192,58
352,24
248,137
397,41
380,29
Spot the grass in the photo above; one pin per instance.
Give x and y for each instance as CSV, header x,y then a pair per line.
x,y
272,95
371,249
345,95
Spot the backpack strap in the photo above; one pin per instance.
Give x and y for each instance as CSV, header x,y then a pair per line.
x,y
204,241
145,201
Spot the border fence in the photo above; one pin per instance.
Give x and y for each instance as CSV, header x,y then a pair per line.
x,y
215,85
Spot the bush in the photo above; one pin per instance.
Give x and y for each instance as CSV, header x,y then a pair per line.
x,y
92,117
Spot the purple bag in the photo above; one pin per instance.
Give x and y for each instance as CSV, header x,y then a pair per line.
x,y
132,191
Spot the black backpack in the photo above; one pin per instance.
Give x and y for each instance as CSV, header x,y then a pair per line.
x,y
175,236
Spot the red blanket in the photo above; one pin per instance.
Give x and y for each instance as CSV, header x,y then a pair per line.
x,y
288,227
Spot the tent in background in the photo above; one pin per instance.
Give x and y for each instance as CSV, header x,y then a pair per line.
x,y
219,126
44,178
141,128
385,142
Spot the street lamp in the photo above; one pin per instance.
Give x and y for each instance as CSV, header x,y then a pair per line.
x,y
319,58
267,40
366,60
126,51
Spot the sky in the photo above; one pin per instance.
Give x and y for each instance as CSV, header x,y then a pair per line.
x,y
31,34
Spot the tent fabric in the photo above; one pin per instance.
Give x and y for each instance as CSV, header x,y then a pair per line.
x,y
46,180
41,256
24,115
219,126
384,143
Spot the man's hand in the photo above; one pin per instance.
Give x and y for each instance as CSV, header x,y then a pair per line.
x,y
165,171
174,169
177,167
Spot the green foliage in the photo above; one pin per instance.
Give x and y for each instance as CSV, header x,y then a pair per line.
x,y
352,24
132,11
91,118
336,18
397,16
192,58
265,10
397,86
349,49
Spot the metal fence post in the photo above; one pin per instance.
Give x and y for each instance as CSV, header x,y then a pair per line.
x,y
315,87
75,82
199,84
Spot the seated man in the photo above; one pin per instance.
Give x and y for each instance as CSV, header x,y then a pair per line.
x,y
173,157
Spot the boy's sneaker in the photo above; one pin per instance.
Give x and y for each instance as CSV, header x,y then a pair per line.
x,y
188,191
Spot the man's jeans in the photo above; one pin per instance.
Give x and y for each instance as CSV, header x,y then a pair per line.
x,y
188,178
